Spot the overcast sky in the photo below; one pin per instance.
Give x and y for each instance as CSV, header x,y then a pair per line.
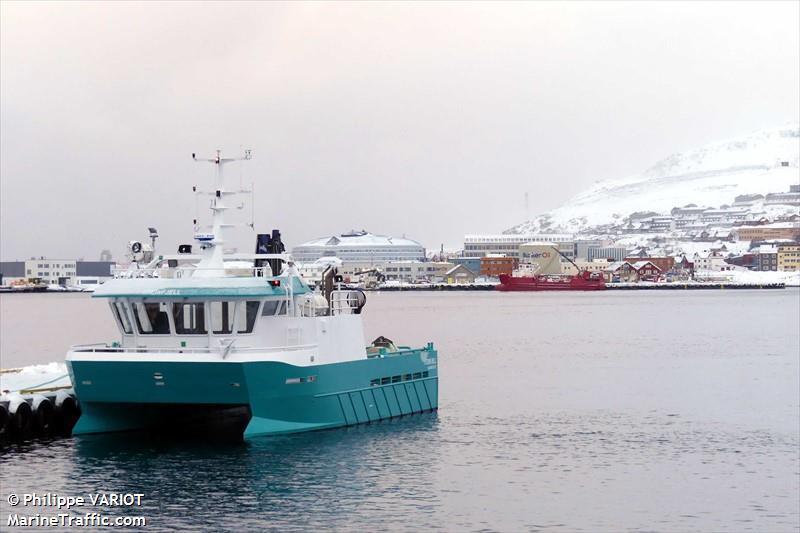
x,y
429,120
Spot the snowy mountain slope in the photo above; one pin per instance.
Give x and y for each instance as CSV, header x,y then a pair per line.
x,y
709,176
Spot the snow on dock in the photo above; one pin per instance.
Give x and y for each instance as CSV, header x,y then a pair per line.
x,y
37,401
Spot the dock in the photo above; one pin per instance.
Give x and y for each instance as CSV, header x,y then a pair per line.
x,y
42,409
691,286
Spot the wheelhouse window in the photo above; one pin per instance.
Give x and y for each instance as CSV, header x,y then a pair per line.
x,y
151,318
274,307
222,316
246,314
189,318
122,317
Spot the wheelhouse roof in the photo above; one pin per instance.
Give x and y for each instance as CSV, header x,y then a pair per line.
x,y
204,288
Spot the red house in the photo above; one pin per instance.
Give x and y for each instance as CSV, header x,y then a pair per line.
x,y
646,270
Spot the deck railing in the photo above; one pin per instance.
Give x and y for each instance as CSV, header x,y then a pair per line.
x,y
105,348
177,272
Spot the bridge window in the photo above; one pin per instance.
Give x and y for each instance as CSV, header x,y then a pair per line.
x,y
274,307
189,318
246,314
122,317
151,318
221,314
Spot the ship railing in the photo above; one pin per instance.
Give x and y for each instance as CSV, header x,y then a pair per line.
x,y
178,272
347,302
105,348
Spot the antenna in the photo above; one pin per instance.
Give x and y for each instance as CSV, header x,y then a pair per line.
x,y
219,201
527,210
153,237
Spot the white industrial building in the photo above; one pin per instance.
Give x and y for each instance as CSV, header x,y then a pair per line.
x,y
508,244
361,247
67,272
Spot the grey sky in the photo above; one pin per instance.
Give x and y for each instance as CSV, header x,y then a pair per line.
x,y
430,120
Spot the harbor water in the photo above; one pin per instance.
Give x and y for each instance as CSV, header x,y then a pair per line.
x,y
642,410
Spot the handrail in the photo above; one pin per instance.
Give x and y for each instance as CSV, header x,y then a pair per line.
x,y
93,348
182,271
346,302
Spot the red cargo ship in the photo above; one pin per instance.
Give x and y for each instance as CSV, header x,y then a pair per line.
x,y
584,281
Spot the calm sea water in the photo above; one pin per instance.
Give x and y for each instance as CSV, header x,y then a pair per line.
x,y
658,411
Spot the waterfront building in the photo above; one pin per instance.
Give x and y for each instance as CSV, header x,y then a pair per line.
x,y
789,257
683,267
460,275
582,247
417,271
615,253
492,265
472,263
360,246
355,271
664,264
620,271
56,271
767,258
712,260
646,270
508,244
596,265
625,271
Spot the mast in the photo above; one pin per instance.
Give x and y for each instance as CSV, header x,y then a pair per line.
x,y
212,243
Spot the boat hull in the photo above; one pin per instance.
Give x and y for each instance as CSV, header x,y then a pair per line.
x,y
271,397
562,283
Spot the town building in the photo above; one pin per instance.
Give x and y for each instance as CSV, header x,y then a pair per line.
x,y
508,244
56,271
664,264
416,271
789,257
493,265
620,271
614,253
712,260
360,246
625,271
472,263
764,232
683,268
646,270
355,271
784,198
582,247
460,275
657,224
767,258
747,260
597,265
747,199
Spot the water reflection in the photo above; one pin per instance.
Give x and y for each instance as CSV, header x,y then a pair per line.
x,y
328,477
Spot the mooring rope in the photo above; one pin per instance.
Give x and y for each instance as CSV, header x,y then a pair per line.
x,y
40,384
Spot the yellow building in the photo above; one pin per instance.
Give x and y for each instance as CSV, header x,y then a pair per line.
x,y
598,265
789,257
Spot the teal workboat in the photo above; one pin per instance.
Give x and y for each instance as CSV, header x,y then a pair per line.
x,y
240,341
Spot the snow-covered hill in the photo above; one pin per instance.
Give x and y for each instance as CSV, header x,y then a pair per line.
x,y
710,176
